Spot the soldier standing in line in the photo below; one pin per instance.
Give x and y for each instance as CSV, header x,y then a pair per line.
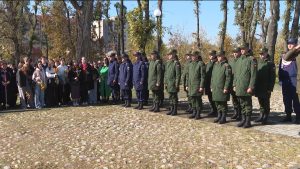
x,y
125,79
244,83
209,67
236,105
195,85
172,81
185,80
220,86
265,81
113,74
293,53
155,80
139,79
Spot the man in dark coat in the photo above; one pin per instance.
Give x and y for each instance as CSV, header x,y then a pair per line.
x,y
113,74
265,81
291,55
244,84
195,85
172,81
5,84
155,80
209,68
139,79
185,80
125,79
220,86
236,105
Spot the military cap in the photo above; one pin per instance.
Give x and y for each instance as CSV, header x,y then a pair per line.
x,y
137,53
263,50
111,53
236,50
220,53
212,53
292,41
124,55
196,53
245,45
172,52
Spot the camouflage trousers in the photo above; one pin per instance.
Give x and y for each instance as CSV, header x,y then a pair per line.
x,y
173,98
235,101
211,102
156,96
246,105
221,107
196,102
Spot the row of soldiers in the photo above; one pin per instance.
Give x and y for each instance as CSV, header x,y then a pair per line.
x,y
242,77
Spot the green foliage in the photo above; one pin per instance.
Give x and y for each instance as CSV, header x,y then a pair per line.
x,y
138,30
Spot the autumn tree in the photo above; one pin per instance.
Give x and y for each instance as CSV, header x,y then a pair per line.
x,y
197,14
84,16
12,23
273,28
223,24
295,24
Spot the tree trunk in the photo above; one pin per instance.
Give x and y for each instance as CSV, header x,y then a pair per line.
x,y
254,25
224,24
272,29
33,24
122,27
84,14
263,22
295,24
287,18
198,23
70,30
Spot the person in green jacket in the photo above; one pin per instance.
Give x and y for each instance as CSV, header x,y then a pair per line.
x,y
220,86
155,80
244,83
105,90
294,53
195,85
209,68
172,81
236,105
185,80
265,81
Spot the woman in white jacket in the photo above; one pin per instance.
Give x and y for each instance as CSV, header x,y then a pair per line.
x,y
39,77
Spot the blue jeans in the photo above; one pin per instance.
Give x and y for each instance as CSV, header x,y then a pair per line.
x,y
39,97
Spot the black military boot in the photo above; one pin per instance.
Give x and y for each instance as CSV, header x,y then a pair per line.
x,y
193,114
174,113
260,118
248,122
138,106
297,120
212,114
156,108
218,118
198,116
288,118
235,115
265,118
190,109
171,110
152,108
223,118
242,122
128,103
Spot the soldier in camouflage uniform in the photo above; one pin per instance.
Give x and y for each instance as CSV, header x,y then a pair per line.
x,y
265,81
185,79
220,86
237,107
244,83
155,79
172,81
209,67
195,85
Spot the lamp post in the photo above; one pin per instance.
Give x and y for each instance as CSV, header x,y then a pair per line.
x,y
157,14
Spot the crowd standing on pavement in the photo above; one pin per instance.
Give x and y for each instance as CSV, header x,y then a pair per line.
x,y
53,83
